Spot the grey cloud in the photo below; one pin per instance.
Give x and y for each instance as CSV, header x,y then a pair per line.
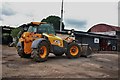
x,y
1,19
119,3
76,23
7,11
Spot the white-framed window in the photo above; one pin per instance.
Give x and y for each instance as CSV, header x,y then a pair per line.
x,y
96,40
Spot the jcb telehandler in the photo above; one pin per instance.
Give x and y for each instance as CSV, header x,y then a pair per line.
x,y
40,40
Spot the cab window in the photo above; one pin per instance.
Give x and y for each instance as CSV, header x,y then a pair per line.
x,y
32,29
42,29
46,28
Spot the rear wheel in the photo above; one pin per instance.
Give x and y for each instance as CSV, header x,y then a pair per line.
x,y
22,54
41,53
73,50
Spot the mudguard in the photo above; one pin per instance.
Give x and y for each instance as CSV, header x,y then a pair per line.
x,y
35,43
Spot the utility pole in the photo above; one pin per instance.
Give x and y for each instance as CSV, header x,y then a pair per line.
x,y
61,16
33,19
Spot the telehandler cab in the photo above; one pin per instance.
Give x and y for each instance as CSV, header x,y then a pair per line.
x,y
40,40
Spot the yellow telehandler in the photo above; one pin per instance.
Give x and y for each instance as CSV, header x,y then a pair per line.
x,y
40,39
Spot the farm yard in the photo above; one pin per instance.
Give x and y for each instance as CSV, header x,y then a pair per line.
x,y
99,65
67,32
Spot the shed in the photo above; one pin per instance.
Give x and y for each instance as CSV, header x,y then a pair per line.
x,y
95,40
6,34
106,29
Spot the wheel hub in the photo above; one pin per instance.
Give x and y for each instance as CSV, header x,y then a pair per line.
x,y
43,52
73,50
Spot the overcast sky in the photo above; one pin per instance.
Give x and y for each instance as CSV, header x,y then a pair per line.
x,y
78,15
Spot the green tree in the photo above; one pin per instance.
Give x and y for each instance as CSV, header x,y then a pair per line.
x,y
55,20
15,32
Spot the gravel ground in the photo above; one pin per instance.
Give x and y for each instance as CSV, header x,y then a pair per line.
x,y
97,66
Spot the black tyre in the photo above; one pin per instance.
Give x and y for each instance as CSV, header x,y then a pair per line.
x,y
22,54
73,50
41,53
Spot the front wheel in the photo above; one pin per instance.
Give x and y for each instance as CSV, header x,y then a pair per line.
x,y
41,53
22,54
73,50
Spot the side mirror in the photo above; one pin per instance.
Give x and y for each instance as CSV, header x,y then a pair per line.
x,y
69,32
25,28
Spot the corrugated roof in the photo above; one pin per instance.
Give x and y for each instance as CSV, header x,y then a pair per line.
x,y
103,28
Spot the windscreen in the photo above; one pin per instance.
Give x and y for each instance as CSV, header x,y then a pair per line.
x,y
46,28
32,29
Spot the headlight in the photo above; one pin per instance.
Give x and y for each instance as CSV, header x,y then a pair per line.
x,y
57,41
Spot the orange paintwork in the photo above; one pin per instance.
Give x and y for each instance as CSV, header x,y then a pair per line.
x,y
51,34
27,47
28,37
69,39
38,23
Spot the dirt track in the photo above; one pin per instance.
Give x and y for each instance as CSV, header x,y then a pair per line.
x,y
97,66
